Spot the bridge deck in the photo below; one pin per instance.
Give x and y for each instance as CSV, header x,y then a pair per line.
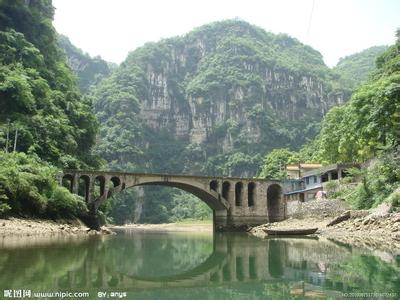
x,y
121,173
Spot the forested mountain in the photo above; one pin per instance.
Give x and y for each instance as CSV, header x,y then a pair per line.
x,y
355,69
213,101
41,112
365,130
370,121
88,70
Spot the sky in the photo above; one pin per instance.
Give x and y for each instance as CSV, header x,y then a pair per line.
x,y
336,28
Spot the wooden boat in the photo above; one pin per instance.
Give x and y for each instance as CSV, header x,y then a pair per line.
x,y
302,231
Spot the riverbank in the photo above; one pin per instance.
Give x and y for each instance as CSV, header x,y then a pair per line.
x,y
18,227
40,227
374,229
168,227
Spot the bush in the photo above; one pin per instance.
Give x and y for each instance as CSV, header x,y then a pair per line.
x,y
63,204
28,186
379,181
4,209
394,198
331,185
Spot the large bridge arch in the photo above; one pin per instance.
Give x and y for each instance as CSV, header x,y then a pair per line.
x,y
211,198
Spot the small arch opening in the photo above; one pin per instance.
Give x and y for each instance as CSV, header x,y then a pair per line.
x,y
99,186
251,189
225,190
214,185
112,184
116,181
274,203
238,194
83,188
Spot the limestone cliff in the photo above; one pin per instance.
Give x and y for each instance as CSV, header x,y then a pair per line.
x,y
225,93
88,70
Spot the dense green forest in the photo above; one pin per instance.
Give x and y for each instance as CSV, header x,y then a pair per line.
x,y
365,130
356,68
216,101
43,116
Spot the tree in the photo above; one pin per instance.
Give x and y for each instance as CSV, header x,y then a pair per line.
x,y
274,163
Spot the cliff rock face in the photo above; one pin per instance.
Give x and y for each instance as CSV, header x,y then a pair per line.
x,y
227,93
88,70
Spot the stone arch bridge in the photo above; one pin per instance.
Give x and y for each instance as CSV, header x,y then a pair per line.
x,y
236,202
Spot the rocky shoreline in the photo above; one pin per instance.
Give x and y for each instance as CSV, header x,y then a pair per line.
x,y
40,227
377,228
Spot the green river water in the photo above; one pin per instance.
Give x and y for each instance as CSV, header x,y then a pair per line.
x,y
143,265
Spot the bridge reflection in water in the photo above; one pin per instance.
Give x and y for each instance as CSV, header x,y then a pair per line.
x,y
141,262
233,258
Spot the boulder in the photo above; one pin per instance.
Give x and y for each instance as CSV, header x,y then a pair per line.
x,y
343,217
381,210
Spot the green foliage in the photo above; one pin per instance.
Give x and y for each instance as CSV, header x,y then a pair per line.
x,y
38,93
370,122
4,209
378,183
120,209
42,110
187,206
274,164
394,198
28,186
356,68
63,204
331,185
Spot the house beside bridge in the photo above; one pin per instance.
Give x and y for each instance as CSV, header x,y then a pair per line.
x,y
310,180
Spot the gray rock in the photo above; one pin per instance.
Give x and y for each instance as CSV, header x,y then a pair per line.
x,y
343,217
381,210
